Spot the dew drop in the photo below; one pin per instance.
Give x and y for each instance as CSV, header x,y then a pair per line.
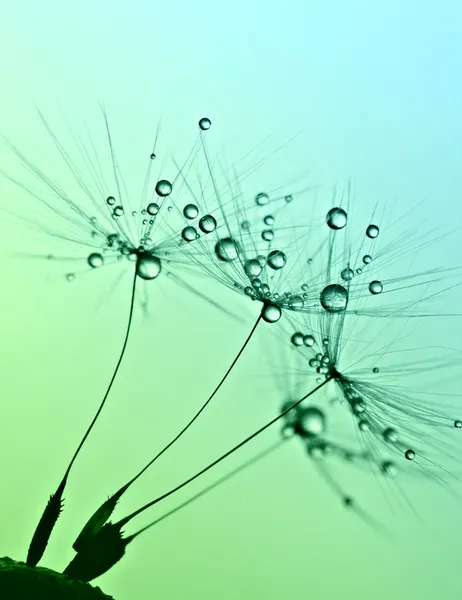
x,y
347,274
297,339
390,435
252,267
296,303
409,454
190,211
205,123
227,249
70,276
148,266
163,188
334,298
367,258
312,420
458,424
375,287
269,220
336,218
245,225
153,208
152,156
95,260
276,259
388,468
118,211
372,231
271,313
189,234
375,370
267,235
308,340
261,199
110,200
207,223
288,198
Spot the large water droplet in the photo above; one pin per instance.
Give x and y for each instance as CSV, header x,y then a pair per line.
x,y
297,339
308,340
95,260
261,199
190,211
312,420
296,303
375,287
347,274
205,123
276,259
334,298
271,313
207,223
227,249
372,231
189,234
252,267
153,208
163,188
148,266
336,218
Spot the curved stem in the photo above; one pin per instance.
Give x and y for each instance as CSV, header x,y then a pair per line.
x,y
125,520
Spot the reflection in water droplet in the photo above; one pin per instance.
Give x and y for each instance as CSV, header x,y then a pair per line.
x,y
271,313
296,303
163,188
95,260
148,266
252,267
189,234
336,218
276,259
334,298
207,223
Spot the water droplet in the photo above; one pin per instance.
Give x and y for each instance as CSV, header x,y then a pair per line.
x,y
334,298
112,239
118,211
308,340
163,188
363,426
336,218
458,424
269,220
372,231
189,234
297,339
359,271
207,223
312,420
70,276
95,260
288,198
276,259
245,225
190,211
389,468
267,235
153,208
152,156
227,249
205,123
261,199
390,435
148,266
375,370
347,274
110,200
358,405
367,258
252,267
296,303
375,287
134,213
409,454
271,313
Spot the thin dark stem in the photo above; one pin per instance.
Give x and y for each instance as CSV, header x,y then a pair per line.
x,y
212,486
125,520
202,408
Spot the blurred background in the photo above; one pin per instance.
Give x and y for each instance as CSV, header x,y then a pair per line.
x,y
324,92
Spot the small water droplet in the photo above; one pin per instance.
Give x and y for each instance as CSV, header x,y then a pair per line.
x,y
207,223
163,188
334,298
367,258
409,454
375,370
95,260
189,234
389,468
458,424
297,339
269,220
261,199
372,231
390,435
296,303
288,198
375,287
70,276
245,225
271,313
312,420
152,156
252,267
308,340
276,259
118,211
267,235
347,274
205,123
152,208
148,266
336,218
190,211
227,249
110,200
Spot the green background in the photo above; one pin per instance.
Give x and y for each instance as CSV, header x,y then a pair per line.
x,y
371,92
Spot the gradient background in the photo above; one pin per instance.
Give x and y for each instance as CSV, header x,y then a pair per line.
x,y
374,93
